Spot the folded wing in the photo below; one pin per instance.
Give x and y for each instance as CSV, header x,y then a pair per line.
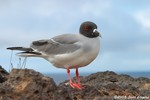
x,y
61,44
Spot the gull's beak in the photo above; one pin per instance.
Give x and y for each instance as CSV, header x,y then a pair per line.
x,y
96,33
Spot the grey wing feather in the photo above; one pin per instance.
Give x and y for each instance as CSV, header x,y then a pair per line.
x,y
57,45
66,38
40,42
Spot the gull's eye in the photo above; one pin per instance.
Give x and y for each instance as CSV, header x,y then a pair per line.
x,y
87,27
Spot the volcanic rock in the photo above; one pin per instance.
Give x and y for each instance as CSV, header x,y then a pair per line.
x,y
27,84
3,74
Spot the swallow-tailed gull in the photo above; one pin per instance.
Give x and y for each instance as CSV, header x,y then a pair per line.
x,y
69,51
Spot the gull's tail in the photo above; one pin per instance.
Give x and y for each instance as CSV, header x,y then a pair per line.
x,y
27,52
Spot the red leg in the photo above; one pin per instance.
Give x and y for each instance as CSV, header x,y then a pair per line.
x,y
70,81
77,76
73,85
78,79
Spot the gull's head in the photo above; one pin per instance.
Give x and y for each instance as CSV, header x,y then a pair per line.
x,y
89,29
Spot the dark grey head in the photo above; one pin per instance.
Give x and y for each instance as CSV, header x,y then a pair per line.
x,y
89,29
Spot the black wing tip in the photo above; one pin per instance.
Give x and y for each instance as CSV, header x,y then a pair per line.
x,y
13,48
29,54
20,48
37,53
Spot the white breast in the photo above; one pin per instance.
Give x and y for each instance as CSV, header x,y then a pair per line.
x,y
82,57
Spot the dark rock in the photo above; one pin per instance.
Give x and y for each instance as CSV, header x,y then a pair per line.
x,y
143,80
3,74
3,71
110,83
67,93
27,84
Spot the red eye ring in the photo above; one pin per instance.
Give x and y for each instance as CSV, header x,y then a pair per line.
x,y
86,27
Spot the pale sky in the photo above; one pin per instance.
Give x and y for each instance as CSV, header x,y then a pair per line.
x,y
123,24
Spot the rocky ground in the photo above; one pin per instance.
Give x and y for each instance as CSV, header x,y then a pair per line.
x,y
27,84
